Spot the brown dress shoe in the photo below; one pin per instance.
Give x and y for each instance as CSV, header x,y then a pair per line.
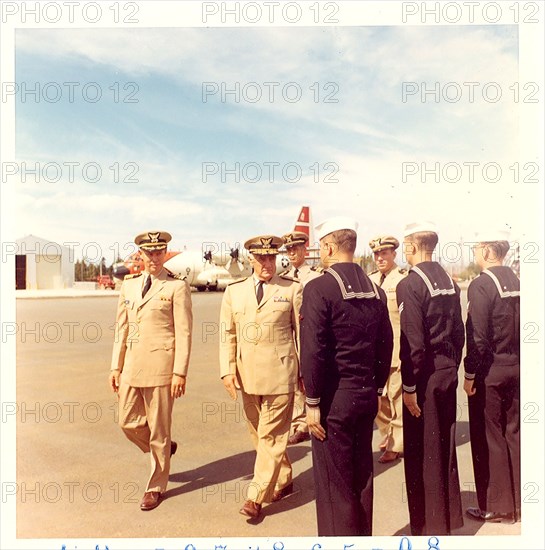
x,y
388,456
298,437
251,509
150,500
173,447
282,493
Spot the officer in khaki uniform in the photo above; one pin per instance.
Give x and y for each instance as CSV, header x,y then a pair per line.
x,y
151,356
390,404
295,244
259,325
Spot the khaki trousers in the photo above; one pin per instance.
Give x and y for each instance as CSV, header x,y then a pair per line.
x,y
145,416
268,418
390,412
299,417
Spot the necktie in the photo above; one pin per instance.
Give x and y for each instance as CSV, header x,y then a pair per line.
x,y
147,286
382,277
259,292
296,273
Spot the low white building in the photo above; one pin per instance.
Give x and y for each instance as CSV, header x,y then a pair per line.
x,y
42,264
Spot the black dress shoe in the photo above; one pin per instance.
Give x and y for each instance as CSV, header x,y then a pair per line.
x,y
173,447
298,437
492,517
251,509
282,493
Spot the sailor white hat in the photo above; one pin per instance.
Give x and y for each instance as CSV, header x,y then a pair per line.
x,y
335,224
419,227
492,235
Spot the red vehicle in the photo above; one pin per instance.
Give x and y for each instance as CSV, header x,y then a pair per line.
x,y
105,281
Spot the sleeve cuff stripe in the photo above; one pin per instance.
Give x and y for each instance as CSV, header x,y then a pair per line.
x,y
409,389
313,401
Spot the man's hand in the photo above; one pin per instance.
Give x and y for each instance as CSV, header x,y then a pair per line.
x,y
313,423
469,388
231,385
410,402
114,380
177,387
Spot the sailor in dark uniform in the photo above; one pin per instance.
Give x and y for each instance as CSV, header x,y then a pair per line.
x,y
492,381
346,351
432,338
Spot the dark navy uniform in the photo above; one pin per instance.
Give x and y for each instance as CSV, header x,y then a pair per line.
x,y
432,338
346,351
493,361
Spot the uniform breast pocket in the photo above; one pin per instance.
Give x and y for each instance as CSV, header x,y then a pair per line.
x,y
282,307
161,304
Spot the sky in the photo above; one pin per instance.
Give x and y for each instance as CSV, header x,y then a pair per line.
x,y
220,134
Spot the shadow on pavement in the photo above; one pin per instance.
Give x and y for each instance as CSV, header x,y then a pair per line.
x,y
236,467
471,527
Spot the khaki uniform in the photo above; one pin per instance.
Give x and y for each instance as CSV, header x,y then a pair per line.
x,y
299,421
258,344
152,341
390,411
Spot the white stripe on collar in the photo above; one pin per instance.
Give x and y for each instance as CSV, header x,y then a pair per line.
x,y
435,291
349,295
501,292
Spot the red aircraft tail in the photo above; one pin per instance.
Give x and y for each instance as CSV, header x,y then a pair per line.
x,y
304,224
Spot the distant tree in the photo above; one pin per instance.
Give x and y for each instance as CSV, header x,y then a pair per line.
x,y
470,272
366,262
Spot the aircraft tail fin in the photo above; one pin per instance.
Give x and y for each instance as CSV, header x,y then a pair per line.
x,y
304,224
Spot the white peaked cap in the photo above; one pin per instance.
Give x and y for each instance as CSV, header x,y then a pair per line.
x,y
335,224
419,227
491,235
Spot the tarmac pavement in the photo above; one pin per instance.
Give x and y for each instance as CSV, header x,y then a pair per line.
x,y
79,477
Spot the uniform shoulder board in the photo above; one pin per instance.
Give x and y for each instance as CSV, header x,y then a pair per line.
x,y
284,273
402,270
174,276
317,268
132,276
288,278
237,281
373,272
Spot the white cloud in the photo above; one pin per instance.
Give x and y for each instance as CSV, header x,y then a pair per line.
x,y
369,133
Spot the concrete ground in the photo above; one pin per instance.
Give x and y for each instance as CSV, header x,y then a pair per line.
x,y
79,477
